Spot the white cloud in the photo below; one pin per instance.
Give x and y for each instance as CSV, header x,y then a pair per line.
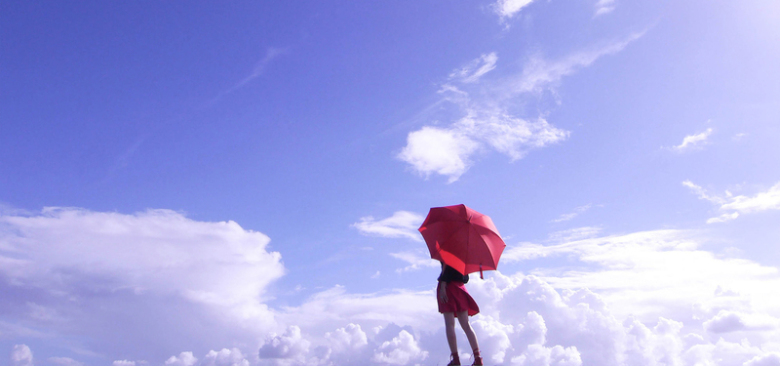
x,y
508,8
577,233
769,359
401,350
66,361
656,273
509,135
183,359
702,194
474,70
539,74
604,7
448,151
731,321
692,142
737,205
225,357
123,363
402,307
577,211
763,201
403,224
646,298
21,356
416,260
437,150
288,346
723,218
347,338
109,273
481,110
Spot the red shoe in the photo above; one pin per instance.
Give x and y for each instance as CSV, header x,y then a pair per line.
x,y
454,360
477,361
477,358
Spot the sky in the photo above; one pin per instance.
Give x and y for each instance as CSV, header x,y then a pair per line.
x,y
240,183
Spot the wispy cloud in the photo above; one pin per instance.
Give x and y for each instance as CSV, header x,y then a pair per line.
x,y
473,71
577,211
64,361
415,259
604,7
578,233
402,224
270,55
259,69
481,110
539,73
692,142
734,206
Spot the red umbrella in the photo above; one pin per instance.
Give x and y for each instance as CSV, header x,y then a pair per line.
x,y
462,238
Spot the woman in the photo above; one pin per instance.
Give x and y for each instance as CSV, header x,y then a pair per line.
x,y
455,301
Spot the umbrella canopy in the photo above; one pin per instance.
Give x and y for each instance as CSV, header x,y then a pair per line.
x,y
462,238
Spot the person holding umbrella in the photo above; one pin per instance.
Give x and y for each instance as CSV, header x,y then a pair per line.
x,y
454,301
464,241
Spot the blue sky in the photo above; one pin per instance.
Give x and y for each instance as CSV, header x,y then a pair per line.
x,y
178,178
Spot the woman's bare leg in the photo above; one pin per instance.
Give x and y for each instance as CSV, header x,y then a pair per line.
x,y
449,329
463,318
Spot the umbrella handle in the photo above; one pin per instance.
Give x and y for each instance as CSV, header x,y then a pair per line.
x,y
480,273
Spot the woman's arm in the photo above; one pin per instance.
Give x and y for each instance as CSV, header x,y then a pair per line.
x,y
442,288
443,291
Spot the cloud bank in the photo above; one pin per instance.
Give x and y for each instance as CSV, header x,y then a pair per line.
x,y
645,298
69,267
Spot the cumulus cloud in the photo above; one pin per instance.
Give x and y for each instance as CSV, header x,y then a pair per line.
x,y
692,142
664,268
21,356
402,307
183,359
734,206
401,350
442,151
402,224
111,273
225,357
646,298
483,117
346,339
731,321
290,346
